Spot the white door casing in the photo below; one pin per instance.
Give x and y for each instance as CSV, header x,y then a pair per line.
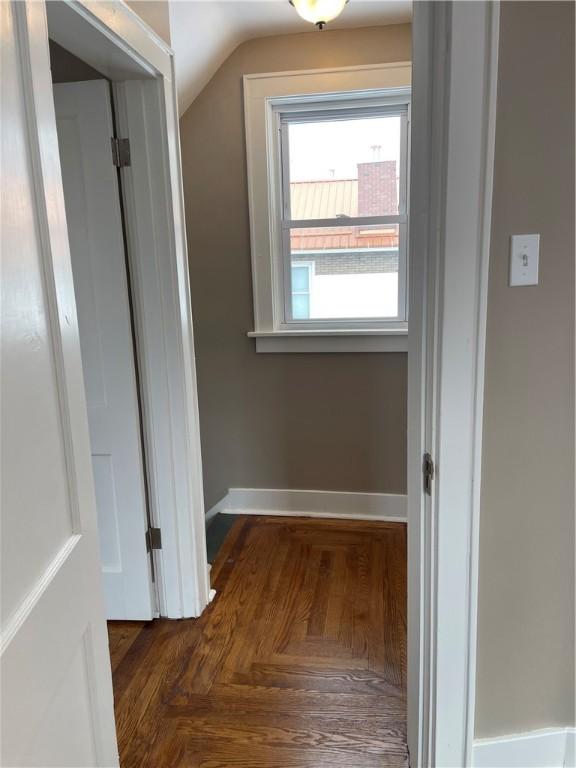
x,y
113,39
55,670
85,127
455,66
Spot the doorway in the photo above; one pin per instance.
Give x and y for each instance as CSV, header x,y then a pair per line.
x,y
447,565
168,513
352,641
96,231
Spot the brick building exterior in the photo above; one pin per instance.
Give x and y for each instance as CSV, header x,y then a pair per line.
x,y
377,188
347,249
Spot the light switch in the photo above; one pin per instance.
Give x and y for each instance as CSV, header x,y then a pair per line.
x,y
524,254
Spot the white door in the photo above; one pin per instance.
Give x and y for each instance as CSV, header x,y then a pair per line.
x,y
85,127
56,688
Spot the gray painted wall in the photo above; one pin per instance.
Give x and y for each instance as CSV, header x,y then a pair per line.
x,y
311,421
525,675
67,68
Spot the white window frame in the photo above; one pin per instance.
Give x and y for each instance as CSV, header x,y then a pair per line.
x,y
287,111
267,97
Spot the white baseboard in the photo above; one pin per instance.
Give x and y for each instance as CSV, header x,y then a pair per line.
x,y
547,748
570,759
334,504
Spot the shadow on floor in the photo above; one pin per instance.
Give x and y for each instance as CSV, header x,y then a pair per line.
x,y
216,533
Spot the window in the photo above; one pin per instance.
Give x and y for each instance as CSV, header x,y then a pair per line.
x,y
301,279
344,209
329,259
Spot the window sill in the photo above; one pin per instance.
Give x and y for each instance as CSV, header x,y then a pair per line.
x,y
331,341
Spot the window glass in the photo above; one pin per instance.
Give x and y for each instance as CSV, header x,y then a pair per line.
x,y
353,272
300,291
343,212
300,278
341,168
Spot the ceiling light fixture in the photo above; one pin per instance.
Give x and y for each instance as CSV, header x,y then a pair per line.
x,y
319,12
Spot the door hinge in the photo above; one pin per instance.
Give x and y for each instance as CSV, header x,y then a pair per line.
x,y
428,473
153,539
120,152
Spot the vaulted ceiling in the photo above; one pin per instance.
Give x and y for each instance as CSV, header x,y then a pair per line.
x,y
205,32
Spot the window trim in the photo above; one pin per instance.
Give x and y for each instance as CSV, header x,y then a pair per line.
x,y
314,90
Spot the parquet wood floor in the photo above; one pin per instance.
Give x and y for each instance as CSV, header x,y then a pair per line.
x,y
299,662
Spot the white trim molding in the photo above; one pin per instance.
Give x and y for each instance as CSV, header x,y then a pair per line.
x,y
546,748
331,341
330,504
169,409
113,39
453,126
570,757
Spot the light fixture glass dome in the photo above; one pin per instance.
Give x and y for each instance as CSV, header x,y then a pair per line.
x,y
319,12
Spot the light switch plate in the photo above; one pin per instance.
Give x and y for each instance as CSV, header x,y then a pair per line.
x,y
524,256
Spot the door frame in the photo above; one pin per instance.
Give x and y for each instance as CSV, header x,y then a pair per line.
x,y
455,65
115,41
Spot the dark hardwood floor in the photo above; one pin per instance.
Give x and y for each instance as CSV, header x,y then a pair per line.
x,y
299,662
